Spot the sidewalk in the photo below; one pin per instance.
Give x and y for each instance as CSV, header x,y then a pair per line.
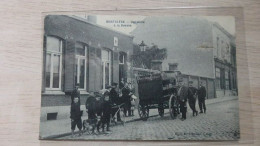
x,y
60,128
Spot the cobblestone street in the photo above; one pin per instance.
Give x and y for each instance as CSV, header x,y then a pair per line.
x,y
220,123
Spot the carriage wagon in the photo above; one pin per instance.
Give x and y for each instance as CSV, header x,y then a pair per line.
x,y
158,91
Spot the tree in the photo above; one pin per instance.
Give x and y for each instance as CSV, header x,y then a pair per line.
x,y
142,59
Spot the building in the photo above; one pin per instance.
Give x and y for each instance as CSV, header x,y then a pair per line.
x,y
203,51
77,50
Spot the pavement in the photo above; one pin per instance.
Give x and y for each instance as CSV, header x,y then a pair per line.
x,y
61,128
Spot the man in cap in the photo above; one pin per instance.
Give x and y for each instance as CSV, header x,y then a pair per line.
x,y
182,94
202,96
114,98
192,93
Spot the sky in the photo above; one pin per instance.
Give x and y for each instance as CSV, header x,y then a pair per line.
x,y
122,23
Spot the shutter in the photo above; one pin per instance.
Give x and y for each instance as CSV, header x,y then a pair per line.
x,y
115,67
69,66
125,68
92,69
43,64
98,80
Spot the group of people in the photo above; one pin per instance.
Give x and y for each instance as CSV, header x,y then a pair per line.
x,y
190,95
100,107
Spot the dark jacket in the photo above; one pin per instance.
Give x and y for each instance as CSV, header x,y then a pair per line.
x,y
191,93
183,93
202,92
99,107
113,96
125,95
75,112
106,108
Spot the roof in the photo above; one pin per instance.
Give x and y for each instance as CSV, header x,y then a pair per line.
x,y
223,30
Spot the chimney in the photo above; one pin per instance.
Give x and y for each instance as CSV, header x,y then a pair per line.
x,y
92,19
156,65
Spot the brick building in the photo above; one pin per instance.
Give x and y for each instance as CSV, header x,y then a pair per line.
x,y
77,50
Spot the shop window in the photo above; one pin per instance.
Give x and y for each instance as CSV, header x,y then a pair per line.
x,y
106,67
81,65
53,63
227,80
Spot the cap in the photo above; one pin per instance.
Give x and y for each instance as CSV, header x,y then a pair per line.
x,y
190,82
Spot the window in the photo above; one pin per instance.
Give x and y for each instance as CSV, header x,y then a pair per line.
x,y
106,68
81,65
115,41
122,57
53,63
218,78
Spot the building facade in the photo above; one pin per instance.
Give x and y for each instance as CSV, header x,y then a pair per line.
x,y
225,61
77,50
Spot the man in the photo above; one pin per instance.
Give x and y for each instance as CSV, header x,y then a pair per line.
x,y
202,97
127,100
106,111
115,100
192,93
75,93
182,94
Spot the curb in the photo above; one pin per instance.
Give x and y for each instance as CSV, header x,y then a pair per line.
x,y
53,137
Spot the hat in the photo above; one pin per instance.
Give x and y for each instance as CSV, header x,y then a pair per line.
x,y
190,82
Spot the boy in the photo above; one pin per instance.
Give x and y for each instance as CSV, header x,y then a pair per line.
x,y
75,115
106,111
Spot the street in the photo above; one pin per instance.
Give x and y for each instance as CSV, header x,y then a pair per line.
x,y
219,123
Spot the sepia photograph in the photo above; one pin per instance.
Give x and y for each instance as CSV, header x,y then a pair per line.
x,y
130,77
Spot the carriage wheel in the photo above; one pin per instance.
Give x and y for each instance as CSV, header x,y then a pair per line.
x,y
143,111
161,109
173,108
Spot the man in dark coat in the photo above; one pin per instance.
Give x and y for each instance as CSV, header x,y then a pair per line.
x,y
202,96
115,100
127,100
192,93
182,95
75,116
106,112
75,93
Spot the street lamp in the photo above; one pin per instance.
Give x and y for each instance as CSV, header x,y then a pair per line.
x,y
142,46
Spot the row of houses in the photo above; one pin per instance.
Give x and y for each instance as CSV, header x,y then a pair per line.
x,y
77,50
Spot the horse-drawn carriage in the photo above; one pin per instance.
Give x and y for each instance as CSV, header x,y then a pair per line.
x,y
158,91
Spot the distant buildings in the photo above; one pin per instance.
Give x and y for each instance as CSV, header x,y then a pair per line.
x,y
201,50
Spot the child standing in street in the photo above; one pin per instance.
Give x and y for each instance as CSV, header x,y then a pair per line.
x,y
75,116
